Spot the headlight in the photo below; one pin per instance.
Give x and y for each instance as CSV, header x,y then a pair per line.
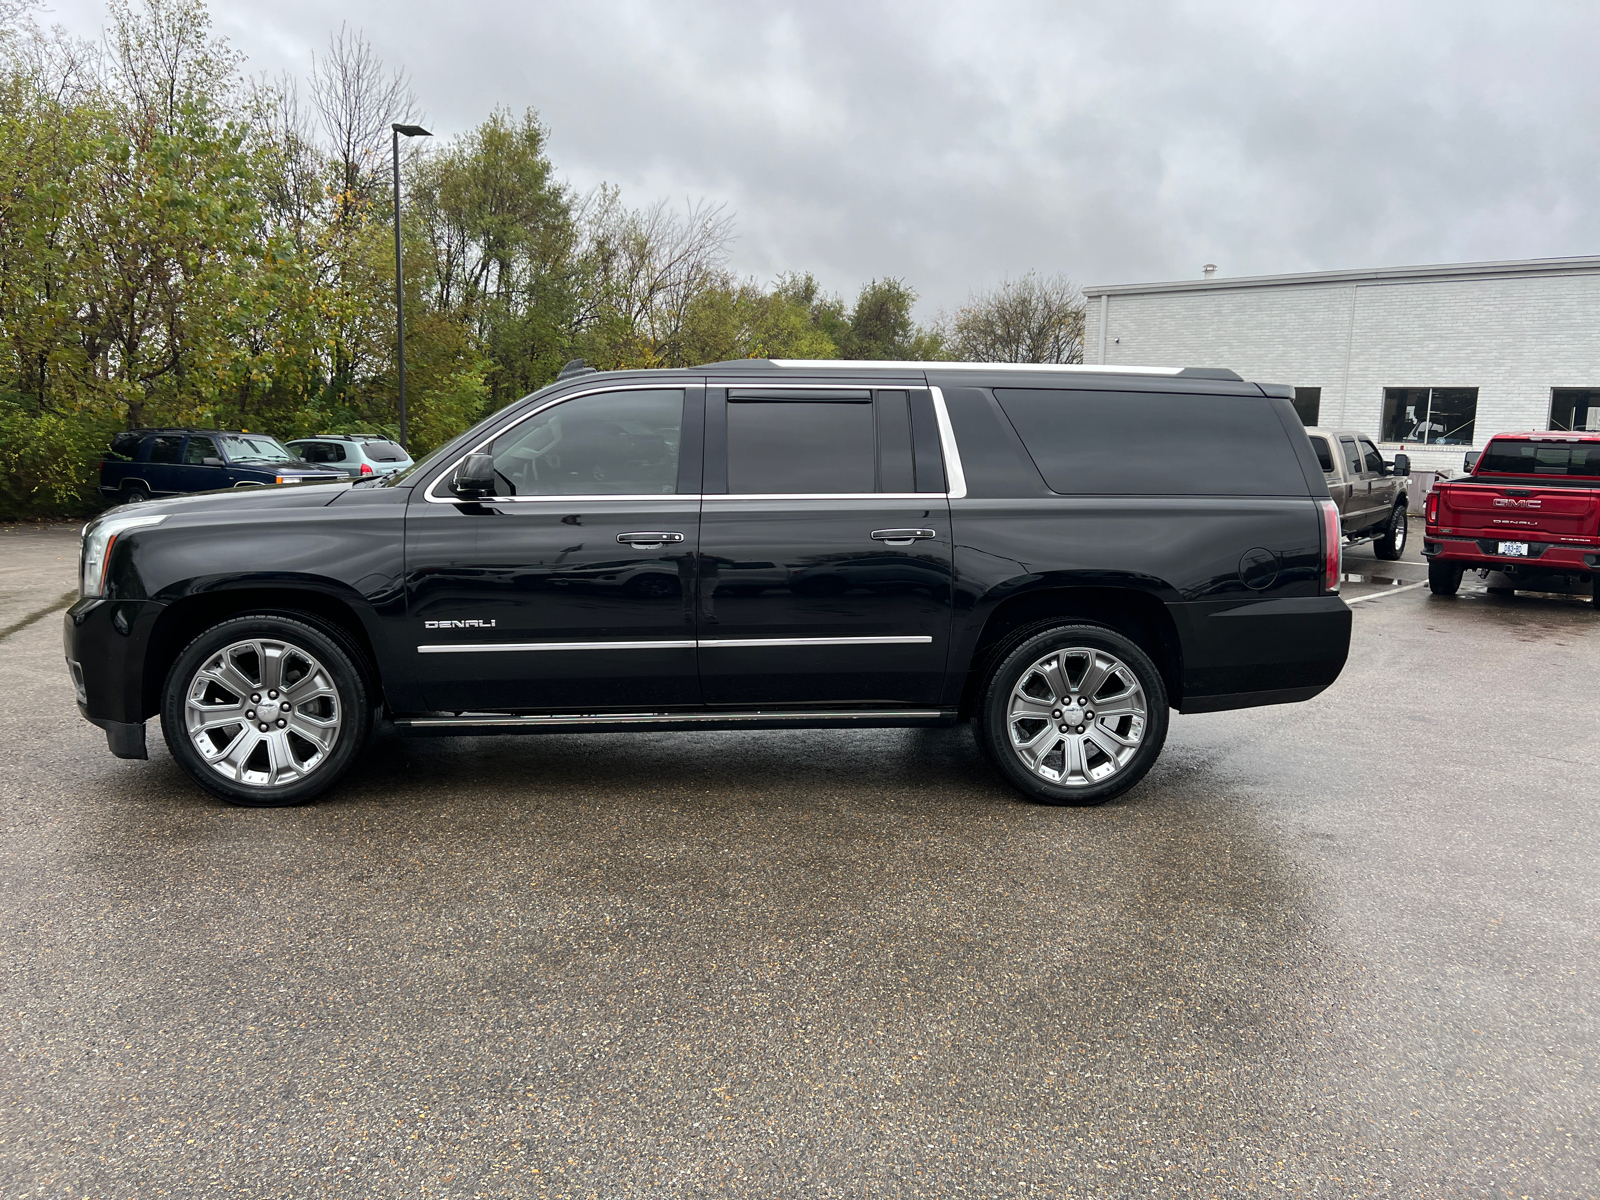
x,y
98,538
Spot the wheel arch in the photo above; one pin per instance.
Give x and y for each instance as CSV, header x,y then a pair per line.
x,y
185,618
1135,613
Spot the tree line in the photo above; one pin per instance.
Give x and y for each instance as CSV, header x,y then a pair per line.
x,y
184,244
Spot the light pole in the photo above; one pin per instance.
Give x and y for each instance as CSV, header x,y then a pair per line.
x,y
399,283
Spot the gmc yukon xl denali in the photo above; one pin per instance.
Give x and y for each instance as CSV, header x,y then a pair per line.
x,y
1530,510
1060,555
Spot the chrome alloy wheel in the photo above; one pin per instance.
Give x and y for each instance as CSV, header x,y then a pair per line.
x,y
263,712
1398,529
1076,717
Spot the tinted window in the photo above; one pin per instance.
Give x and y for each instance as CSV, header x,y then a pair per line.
x,y
1352,456
126,445
1140,443
165,449
199,449
609,444
793,447
895,472
1507,457
383,451
1371,460
318,452
1324,455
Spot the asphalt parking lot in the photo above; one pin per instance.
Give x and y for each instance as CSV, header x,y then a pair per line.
x,y
1344,948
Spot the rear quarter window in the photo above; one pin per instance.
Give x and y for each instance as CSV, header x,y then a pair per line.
x,y
1154,444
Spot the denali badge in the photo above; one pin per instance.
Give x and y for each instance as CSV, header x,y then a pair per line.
x,y
458,624
1503,502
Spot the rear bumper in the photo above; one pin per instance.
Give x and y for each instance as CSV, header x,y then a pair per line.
x,y
1543,557
1244,654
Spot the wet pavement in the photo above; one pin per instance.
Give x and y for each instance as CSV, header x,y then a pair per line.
x,y
1343,948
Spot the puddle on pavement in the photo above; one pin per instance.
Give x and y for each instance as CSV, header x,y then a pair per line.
x,y
1375,580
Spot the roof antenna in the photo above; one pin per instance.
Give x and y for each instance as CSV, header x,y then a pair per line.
x,y
1208,270
575,367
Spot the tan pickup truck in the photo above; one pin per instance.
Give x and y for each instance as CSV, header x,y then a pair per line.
x,y
1370,493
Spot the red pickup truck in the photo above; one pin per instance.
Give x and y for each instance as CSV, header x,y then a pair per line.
x,y
1530,509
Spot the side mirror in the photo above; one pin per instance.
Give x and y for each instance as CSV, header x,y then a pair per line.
x,y
474,478
1402,465
212,462
1470,460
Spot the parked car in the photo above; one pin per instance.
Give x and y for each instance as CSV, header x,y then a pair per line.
x,y
1530,510
145,463
356,454
1369,492
1059,555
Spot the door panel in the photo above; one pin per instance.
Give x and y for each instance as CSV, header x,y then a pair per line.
x,y
537,601
799,602
543,577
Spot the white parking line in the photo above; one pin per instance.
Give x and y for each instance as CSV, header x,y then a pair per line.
x,y
1410,587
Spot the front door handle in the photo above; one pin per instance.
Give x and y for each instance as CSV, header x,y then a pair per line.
x,y
648,539
901,537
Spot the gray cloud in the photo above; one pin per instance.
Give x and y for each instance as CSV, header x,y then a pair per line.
x,y
954,144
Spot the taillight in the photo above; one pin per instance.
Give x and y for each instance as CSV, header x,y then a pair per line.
x,y
366,468
1332,545
1432,508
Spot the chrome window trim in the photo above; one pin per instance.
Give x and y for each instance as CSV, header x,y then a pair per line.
x,y
955,476
701,643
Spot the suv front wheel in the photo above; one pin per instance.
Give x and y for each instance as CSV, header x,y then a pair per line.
x,y
1075,714
265,710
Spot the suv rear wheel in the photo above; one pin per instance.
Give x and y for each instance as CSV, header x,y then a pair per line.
x,y
1444,578
265,710
1391,543
1075,714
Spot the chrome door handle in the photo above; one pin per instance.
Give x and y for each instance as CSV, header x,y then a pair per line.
x,y
901,537
648,539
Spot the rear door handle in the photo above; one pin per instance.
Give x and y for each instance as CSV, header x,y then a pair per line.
x,y
647,539
901,537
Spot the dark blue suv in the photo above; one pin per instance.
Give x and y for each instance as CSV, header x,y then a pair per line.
x,y
167,462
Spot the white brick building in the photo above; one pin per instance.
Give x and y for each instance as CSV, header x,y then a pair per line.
x,y
1449,355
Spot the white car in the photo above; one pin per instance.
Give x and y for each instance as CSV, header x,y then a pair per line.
x,y
357,454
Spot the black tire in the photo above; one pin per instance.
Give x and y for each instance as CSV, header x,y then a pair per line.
x,y
1390,544
1444,578
342,698
134,493
1016,670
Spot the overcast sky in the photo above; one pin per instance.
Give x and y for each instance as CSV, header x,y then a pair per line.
x,y
954,144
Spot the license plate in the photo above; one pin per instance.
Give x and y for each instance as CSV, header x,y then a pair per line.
x,y
1514,549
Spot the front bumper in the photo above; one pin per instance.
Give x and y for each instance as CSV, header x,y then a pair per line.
x,y
105,643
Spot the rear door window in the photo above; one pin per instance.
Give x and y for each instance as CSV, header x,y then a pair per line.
x,y
802,447
1154,444
166,449
1324,455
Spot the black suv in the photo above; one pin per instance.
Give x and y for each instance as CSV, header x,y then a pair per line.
x,y
1058,554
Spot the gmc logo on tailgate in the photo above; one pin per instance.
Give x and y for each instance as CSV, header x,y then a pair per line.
x,y
1503,502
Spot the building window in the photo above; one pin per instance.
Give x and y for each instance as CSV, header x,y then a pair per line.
x,y
1308,402
1575,408
1433,416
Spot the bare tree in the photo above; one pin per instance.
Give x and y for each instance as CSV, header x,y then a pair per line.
x,y
165,56
1029,320
292,165
357,100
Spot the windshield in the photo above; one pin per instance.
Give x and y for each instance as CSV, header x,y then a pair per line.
x,y
1507,457
255,448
